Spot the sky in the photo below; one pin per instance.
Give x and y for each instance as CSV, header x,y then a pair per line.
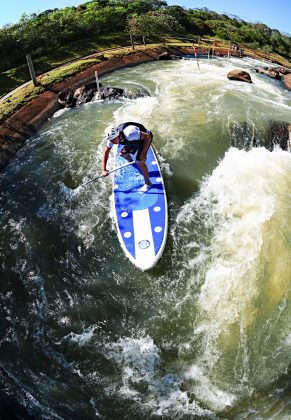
x,y
274,13
11,10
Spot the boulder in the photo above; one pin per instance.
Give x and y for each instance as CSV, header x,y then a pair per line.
x,y
245,135
278,133
85,93
165,56
261,71
239,75
70,98
284,71
112,93
272,72
287,81
66,98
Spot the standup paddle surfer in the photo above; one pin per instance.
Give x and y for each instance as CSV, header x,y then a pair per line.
x,y
135,138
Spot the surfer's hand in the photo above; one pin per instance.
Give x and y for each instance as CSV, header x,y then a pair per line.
x,y
105,172
142,158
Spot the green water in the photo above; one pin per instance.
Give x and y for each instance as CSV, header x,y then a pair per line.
x,y
204,334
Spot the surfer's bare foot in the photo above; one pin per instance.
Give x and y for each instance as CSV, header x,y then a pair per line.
x,y
145,188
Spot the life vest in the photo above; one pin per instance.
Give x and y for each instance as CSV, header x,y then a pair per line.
x,y
121,127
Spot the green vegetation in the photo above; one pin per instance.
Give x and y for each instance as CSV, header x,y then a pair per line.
x,y
158,22
57,36
21,97
17,75
18,99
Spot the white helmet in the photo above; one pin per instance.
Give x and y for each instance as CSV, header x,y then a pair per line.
x,y
111,132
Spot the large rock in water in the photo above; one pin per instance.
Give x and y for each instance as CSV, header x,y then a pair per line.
x,y
239,75
278,133
271,72
165,56
287,81
86,93
245,135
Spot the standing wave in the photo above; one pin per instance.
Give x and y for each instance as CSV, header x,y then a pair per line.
x,y
241,273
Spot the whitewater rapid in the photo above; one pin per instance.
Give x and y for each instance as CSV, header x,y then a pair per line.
x,y
205,333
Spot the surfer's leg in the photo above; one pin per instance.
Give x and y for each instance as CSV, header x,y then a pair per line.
x,y
143,166
144,169
125,154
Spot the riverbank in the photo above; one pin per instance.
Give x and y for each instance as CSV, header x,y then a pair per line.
x,y
26,122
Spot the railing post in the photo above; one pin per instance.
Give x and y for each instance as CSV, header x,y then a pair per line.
x,y
31,69
97,83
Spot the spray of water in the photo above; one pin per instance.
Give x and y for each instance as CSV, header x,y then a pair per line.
x,y
245,271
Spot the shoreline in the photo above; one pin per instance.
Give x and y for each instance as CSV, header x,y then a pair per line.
x,y
26,122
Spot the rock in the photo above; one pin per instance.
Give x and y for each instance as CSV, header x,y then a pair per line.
x,y
287,81
69,98
284,71
243,135
278,133
239,75
165,56
111,93
272,72
261,71
84,94
66,98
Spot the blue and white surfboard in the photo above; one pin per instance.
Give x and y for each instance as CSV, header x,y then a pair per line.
x,y
141,217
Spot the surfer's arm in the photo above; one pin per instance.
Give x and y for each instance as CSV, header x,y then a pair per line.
x,y
104,161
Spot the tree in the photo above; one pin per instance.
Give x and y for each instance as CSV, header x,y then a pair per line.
x,y
139,26
154,22
267,50
163,24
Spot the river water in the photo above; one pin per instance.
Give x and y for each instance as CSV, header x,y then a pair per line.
x,y
206,333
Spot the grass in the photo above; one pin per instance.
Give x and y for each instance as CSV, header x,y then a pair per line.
x,y
14,77
275,58
61,73
24,95
14,102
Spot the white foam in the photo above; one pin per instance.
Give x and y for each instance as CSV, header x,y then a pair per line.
x,y
60,112
246,204
205,391
139,360
80,339
245,188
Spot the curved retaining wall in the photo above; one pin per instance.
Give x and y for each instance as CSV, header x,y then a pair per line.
x,y
25,123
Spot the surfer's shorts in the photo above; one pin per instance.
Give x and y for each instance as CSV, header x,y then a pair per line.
x,y
133,147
